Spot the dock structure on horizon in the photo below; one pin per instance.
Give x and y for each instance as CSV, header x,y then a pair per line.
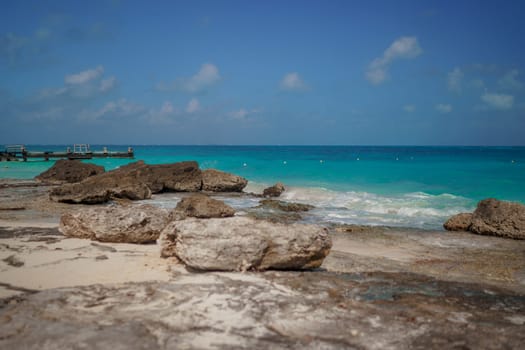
x,y
80,151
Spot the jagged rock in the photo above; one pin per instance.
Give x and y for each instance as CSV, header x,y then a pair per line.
x,y
130,224
204,207
134,181
219,181
274,191
459,222
499,218
285,206
240,243
69,171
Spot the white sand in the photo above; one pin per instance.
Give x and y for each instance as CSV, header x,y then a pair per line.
x,y
72,262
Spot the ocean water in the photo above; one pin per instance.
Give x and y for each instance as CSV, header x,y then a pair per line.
x,y
396,186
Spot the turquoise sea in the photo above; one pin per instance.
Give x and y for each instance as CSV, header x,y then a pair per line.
x,y
396,186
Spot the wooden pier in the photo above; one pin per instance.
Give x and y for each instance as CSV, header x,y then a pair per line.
x,y
79,151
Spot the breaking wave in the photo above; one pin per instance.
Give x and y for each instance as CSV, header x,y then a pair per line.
x,y
417,210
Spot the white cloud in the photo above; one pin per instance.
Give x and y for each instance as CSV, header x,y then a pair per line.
x,y
107,84
510,80
455,79
293,82
167,108
207,76
402,48
444,108
409,108
477,83
242,114
121,108
165,115
498,101
84,76
193,106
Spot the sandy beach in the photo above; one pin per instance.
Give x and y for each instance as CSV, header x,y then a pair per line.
x,y
378,288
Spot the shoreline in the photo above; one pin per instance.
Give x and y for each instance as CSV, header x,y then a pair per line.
x,y
379,287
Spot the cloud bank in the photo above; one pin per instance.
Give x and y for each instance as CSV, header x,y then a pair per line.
x,y
498,101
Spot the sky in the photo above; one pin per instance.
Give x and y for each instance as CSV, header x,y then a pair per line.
x,y
262,72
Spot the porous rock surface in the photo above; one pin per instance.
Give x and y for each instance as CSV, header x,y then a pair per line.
x,y
271,310
274,191
241,243
285,206
218,181
499,218
134,181
492,217
459,222
204,207
69,171
117,224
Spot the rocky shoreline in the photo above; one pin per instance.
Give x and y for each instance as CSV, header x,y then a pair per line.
x,y
371,287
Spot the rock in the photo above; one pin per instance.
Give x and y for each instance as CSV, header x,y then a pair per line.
x,y
274,216
176,177
274,310
218,181
13,260
499,218
285,206
141,224
274,191
134,181
69,171
204,207
240,243
459,222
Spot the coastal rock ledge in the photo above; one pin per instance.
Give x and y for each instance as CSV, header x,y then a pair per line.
x,y
138,181
492,217
240,244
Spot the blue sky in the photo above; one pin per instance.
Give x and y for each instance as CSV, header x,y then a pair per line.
x,y
262,72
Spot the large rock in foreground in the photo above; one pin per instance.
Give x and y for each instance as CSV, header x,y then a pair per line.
x,y
134,181
130,224
219,181
204,207
459,222
499,218
240,243
69,171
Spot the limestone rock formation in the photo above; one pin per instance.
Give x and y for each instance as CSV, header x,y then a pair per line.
x,y
117,224
138,180
274,191
134,181
285,206
219,181
240,243
459,222
69,171
499,218
204,207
